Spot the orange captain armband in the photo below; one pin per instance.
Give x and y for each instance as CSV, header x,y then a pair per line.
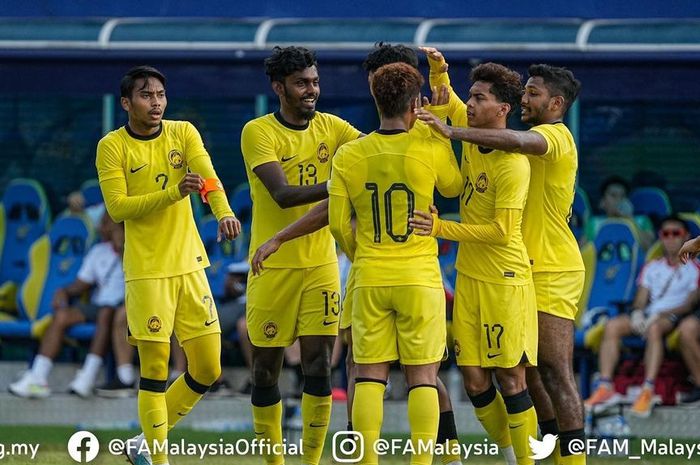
x,y
210,185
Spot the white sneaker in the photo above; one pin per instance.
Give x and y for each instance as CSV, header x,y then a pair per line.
x,y
82,385
29,388
136,451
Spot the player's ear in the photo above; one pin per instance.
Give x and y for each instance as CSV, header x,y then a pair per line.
x,y
126,104
278,88
556,103
505,109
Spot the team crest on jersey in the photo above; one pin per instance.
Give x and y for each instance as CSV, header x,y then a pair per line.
x,y
270,329
482,183
154,324
175,159
323,153
457,348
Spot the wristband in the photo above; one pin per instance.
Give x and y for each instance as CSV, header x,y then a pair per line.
x,y
210,185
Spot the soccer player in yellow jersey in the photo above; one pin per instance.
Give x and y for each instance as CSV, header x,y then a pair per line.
x,y
317,218
288,156
398,298
147,169
494,316
557,266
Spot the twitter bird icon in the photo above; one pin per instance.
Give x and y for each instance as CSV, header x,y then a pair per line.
x,y
544,448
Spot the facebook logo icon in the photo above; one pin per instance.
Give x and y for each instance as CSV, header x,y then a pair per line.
x,y
83,447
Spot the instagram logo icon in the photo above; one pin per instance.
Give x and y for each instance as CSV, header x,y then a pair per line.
x,y
348,447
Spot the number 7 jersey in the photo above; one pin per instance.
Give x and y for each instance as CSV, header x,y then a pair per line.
x,y
163,242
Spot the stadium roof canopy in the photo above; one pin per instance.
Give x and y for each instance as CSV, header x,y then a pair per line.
x,y
468,34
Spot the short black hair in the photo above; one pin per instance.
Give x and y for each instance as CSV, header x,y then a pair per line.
x,y
559,81
505,83
673,217
288,60
126,87
612,180
384,53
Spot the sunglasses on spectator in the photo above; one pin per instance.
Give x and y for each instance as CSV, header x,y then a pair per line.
x,y
666,233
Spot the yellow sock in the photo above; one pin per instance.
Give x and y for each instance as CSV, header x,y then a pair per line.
x,y
180,398
453,445
367,415
153,415
523,425
267,423
423,418
493,416
556,455
566,437
316,414
572,460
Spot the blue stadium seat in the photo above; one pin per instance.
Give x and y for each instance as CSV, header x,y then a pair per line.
x,y
91,192
24,217
447,254
221,254
652,202
618,260
54,261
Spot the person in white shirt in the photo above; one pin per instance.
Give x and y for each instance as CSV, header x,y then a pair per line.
x,y
102,272
663,285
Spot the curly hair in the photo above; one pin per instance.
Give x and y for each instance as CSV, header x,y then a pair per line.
x,y
384,53
288,60
394,86
128,82
505,83
558,81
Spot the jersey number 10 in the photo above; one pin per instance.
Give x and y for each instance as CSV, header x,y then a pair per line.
x,y
388,210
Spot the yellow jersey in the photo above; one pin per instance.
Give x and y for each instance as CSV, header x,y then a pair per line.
x,y
550,243
493,179
305,154
139,177
383,177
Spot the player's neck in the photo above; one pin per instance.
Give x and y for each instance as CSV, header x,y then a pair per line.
x,y
392,124
292,119
673,260
142,130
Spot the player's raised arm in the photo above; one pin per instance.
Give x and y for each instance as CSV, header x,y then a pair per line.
x,y
439,77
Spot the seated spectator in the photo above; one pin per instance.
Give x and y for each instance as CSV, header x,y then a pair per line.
x,y
615,203
663,285
76,206
101,270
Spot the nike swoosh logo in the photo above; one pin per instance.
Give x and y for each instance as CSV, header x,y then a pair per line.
x,y
181,414
259,433
159,425
133,170
318,425
283,159
493,355
209,323
328,323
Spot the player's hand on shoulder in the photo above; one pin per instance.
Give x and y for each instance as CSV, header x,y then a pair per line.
x,y
229,228
268,248
192,182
